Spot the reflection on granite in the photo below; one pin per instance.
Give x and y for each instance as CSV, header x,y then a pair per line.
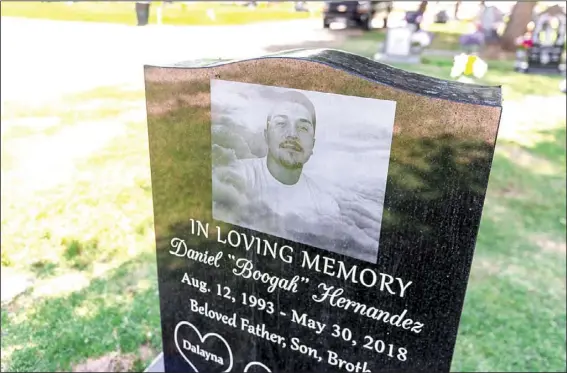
x,y
441,153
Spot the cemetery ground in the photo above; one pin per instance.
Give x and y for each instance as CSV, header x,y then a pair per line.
x,y
176,13
78,241
77,230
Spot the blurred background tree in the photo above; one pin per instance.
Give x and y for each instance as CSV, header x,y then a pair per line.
x,y
519,18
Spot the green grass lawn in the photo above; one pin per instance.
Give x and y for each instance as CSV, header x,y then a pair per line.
x,y
177,13
515,85
77,217
446,37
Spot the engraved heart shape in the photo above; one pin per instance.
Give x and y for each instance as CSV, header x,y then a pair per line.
x,y
256,364
202,338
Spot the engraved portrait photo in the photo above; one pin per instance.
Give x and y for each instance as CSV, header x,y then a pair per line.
x,y
306,166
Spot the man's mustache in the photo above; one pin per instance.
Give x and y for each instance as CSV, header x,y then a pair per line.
x,y
292,144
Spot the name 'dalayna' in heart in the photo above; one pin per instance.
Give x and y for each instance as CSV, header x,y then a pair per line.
x,y
222,358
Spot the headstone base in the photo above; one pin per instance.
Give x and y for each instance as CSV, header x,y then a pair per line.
x,y
540,70
385,58
156,366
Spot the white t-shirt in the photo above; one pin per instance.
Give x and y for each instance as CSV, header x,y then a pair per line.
x,y
263,197
304,198
246,194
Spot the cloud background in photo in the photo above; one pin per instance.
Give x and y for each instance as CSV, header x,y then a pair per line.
x,y
351,154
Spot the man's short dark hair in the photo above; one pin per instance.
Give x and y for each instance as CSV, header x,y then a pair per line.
x,y
297,98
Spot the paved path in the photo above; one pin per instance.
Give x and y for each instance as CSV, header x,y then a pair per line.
x,y
42,58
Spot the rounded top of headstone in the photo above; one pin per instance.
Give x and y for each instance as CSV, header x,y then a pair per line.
x,y
376,72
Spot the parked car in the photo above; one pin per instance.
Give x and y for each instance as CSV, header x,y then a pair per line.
x,y
355,13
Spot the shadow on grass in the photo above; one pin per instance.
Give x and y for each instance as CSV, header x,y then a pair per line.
x,y
115,313
552,147
44,268
80,254
78,307
514,314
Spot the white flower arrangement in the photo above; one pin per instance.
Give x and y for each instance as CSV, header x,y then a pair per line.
x,y
467,66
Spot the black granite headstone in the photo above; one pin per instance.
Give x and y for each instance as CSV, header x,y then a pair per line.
x,y
548,39
315,211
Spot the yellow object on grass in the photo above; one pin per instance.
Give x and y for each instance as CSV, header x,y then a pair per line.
x,y
470,65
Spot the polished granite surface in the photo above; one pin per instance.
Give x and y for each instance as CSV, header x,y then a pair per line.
x,y
401,311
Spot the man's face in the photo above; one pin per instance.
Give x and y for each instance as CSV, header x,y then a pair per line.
x,y
290,134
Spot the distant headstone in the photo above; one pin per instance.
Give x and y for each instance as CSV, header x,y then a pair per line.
x,y
489,19
546,51
398,41
398,46
142,12
314,211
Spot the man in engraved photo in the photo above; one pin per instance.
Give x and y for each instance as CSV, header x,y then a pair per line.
x,y
275,194
290,138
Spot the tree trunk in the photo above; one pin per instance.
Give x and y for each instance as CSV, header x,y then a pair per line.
x,y
388,11
457,6
519,19
422,7
421,11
